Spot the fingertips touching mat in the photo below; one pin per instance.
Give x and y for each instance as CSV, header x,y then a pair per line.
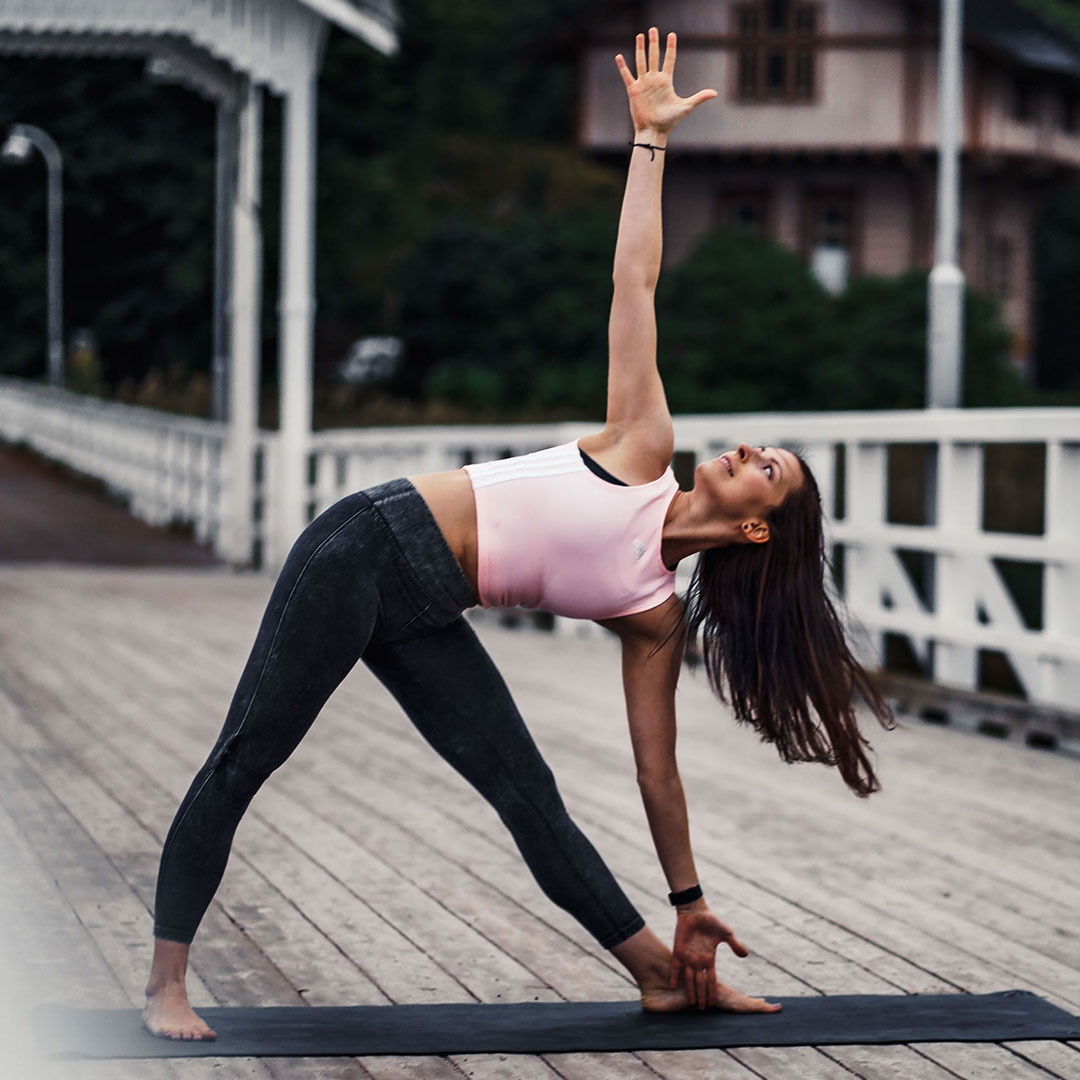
x,y
541,1028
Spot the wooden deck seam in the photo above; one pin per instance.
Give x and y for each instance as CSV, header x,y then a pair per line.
x,y
463,823
886,913
186,687
238,854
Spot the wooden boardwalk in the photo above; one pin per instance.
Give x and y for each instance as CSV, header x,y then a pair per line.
x,y
366,872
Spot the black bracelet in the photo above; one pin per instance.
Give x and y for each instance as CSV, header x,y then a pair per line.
x,y
648,146
687,896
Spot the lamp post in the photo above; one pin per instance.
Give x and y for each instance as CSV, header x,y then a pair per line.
x,y
16,149
946,287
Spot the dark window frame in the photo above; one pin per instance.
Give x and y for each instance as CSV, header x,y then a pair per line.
x,y
776,53
727,199
1001,266
851,198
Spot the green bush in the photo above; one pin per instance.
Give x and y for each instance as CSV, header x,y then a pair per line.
x,y
741,327
880,361
511,320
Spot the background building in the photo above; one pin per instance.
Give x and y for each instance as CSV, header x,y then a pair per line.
x,y
824,134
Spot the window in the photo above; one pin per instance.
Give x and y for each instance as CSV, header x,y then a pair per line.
x,y
1023,100
830,220
776,51
829,237
1070,116
999,267
744,209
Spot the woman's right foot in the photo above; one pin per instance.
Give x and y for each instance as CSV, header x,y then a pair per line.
x,y
169,1016
661,999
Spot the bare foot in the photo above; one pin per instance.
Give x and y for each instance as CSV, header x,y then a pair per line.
x,y
660,999
169,1016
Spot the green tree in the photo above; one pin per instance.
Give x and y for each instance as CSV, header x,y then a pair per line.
x,y
880,359
741,327
510,318
1057,287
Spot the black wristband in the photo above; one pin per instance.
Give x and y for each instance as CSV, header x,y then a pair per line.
x,y
648,146
687,896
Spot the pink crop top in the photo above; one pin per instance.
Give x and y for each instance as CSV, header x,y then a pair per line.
x,y
553,535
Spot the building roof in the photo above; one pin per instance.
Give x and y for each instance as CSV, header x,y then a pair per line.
x,y
1012,29
375,21
1009,28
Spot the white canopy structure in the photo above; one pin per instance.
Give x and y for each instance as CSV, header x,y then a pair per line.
x,y
229,51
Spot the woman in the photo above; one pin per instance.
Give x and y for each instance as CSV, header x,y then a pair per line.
x,y
384,575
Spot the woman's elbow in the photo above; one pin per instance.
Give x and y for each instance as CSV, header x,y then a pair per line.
x,y
659,779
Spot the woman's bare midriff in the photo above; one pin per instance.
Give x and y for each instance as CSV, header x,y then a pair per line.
x,y
449,497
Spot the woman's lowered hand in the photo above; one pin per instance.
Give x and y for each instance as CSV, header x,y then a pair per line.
x,y
654,105
698,932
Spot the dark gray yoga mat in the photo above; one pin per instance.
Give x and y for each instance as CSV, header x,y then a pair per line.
x,y
542,1028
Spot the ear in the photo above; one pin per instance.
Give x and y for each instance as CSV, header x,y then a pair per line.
x,y
755,532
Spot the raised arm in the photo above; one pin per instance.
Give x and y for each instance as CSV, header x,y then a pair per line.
x,y
636,401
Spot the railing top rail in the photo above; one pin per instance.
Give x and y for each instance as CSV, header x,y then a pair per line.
x,y
908,426
127,414
895,426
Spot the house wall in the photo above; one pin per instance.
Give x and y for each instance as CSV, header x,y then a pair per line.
x,y
879,95
875,109
895,215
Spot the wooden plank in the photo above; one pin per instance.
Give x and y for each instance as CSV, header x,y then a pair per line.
x,y
794,904
442,996
65,955
120,928
982,1061
1057,1058
887,1062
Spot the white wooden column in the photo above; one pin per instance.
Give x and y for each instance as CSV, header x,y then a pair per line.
x,y
959,514
244,338
224,196
865,493
1060,679
296,313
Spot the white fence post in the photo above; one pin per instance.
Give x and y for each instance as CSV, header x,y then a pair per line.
x,y
865,502
1060,677
172,467
959,513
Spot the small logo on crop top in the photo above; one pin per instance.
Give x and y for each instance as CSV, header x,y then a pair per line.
x,y
639,548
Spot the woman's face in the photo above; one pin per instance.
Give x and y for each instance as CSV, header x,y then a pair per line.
x,y
746,483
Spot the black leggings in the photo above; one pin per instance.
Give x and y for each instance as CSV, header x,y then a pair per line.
x,y
372,578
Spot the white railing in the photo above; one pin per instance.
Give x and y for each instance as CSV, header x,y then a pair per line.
x,y
171,468
969,608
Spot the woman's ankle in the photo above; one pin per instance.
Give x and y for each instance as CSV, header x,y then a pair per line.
x,y
645,957
168,969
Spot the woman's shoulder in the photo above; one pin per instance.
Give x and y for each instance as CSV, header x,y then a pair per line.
x,y
635,454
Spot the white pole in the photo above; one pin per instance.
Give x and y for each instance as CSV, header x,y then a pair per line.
x,y
296,313
946,287
54,170
224,197
246,287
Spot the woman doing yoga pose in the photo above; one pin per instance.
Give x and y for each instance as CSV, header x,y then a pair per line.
x,y
592,529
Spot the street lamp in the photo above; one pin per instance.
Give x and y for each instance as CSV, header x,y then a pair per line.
x,y
946,287
16,149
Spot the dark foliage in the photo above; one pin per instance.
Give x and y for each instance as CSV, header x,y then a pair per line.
x,y
452,209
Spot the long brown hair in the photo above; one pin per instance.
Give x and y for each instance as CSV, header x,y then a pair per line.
x,y
774,646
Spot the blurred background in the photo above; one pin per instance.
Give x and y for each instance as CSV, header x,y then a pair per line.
x,y
468,165
467,199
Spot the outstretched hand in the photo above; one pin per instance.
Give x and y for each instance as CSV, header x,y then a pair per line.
x,y
693,956
654,105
